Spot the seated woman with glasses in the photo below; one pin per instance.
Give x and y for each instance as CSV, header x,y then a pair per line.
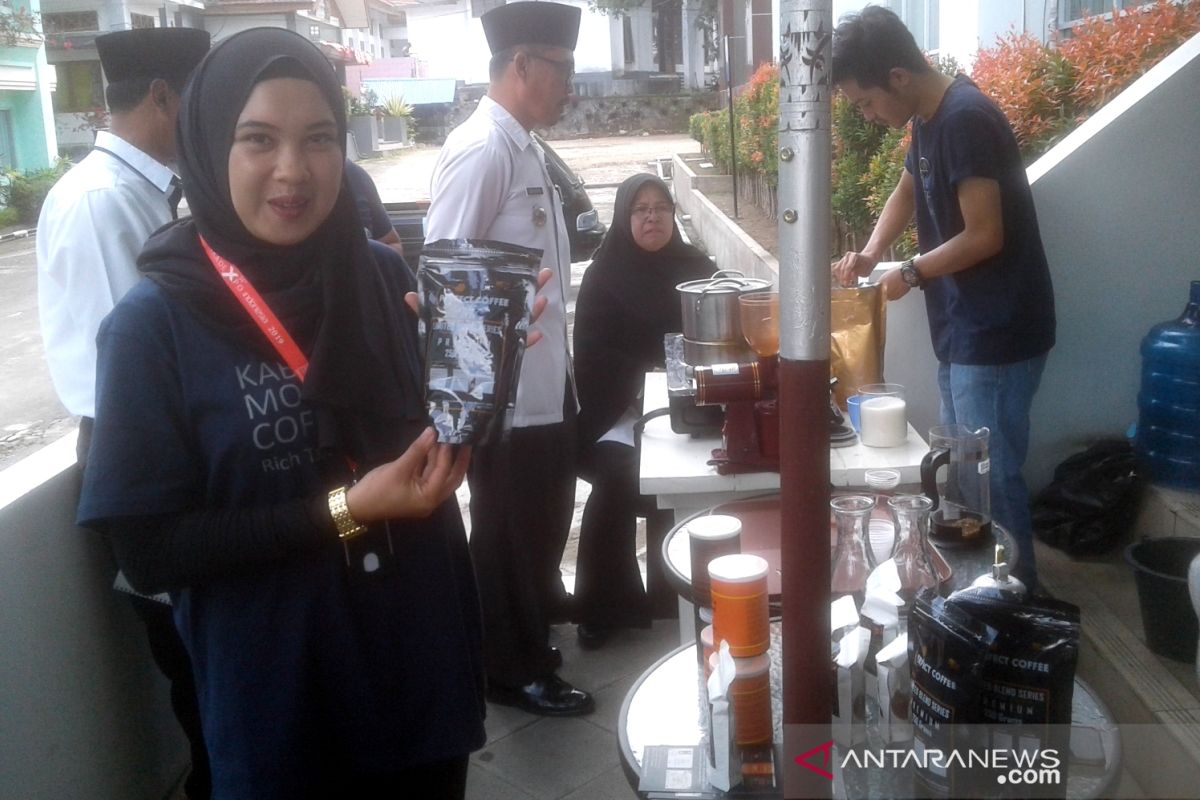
x,y
626,304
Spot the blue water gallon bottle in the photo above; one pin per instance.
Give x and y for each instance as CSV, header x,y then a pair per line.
x,y
1168,432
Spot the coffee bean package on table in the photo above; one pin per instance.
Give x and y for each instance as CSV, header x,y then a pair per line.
x,y
1029,671
476,303
946,649
894,691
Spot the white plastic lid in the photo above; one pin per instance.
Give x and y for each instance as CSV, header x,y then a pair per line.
x,y
706,636
882,478
714,527
738,568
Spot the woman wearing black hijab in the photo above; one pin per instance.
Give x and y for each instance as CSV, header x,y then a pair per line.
x,y
626,304
333,625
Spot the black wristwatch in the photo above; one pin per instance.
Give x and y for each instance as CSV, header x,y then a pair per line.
x,y
908,271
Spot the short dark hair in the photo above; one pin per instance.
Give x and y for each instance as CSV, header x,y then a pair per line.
x,y
124,96
867,46
500,61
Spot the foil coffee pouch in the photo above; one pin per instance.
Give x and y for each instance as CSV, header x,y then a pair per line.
x,y
476,302
946,650
1028,673
857,333
894,691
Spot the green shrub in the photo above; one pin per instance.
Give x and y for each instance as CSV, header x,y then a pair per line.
x,y
26,191
8,217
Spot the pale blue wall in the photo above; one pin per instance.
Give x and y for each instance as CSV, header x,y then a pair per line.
x,y
32,115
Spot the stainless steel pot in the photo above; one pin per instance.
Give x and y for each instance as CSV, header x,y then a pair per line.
x,y
705,354
710,306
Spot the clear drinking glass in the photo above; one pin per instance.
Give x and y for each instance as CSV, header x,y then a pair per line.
x,y
914,563
852,559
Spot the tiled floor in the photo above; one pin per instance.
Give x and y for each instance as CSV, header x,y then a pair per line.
x,y
541,758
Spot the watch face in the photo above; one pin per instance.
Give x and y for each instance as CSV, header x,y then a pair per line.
x,y
909,273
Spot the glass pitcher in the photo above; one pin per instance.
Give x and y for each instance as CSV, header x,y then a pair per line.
x,y
914,563
962,507
852,558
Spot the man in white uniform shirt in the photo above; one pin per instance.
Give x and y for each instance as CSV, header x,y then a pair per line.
x,y
90,231
490,182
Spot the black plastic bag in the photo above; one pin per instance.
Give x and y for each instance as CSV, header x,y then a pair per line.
x,y
1092,500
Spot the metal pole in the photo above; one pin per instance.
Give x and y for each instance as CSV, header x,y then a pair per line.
x,y
804,254
732,137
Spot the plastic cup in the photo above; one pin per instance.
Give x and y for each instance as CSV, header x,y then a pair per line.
x,y
853,404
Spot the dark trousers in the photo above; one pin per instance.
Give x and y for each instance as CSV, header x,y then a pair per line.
x,y
440,780
522,500
608,582
171,658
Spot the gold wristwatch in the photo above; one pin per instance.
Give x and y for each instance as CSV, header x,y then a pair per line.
x,y
347,526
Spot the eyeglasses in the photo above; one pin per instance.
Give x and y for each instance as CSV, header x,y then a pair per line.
x,y
658,209
562,66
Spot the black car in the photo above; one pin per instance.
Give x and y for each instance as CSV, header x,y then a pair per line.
x,y
584,228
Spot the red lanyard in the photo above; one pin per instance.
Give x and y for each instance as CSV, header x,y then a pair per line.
x,y
258,310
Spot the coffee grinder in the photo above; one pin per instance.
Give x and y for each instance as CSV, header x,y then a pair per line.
x,y
748,390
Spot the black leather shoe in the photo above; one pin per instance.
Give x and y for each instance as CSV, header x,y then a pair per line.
x,y
591,637
550,696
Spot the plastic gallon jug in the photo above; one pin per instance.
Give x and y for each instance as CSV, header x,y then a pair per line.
x,y
1168,432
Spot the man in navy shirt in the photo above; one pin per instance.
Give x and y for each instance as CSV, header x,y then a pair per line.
x,y
981,265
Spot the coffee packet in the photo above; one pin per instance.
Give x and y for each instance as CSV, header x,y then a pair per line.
x,y
1029,670
893,691
725,768
947,648
849,698
476,303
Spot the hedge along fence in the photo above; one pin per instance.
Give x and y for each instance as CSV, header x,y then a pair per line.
x,y
1044,90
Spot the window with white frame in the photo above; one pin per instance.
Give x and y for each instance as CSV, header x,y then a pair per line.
x,y
314,32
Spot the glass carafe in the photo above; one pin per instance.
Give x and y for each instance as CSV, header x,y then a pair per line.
x,y
852,559
914,562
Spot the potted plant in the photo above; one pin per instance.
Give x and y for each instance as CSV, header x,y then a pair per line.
x,y
397,116
360,117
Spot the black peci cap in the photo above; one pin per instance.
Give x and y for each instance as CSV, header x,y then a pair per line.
x,y
549,24
151,52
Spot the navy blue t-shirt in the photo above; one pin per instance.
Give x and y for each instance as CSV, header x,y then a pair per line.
x,y
1000,310
307,669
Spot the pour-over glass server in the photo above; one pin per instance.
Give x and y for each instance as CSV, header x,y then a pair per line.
x,y
961,494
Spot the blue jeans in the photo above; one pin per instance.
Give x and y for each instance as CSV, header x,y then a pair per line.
x,y
999,397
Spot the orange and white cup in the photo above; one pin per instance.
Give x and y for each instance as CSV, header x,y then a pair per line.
x,y
750,696
740,610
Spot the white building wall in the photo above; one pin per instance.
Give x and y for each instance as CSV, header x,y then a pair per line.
x,y
451,42
224,27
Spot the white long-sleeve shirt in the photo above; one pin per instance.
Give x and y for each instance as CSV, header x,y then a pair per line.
x,y
490,182
92,226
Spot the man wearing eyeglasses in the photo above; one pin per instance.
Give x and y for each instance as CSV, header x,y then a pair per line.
x,y
490,182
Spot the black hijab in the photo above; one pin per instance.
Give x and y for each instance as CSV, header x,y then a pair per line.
x,y
626,304
328,291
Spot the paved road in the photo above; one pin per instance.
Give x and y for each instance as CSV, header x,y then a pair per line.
x,y
30,414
